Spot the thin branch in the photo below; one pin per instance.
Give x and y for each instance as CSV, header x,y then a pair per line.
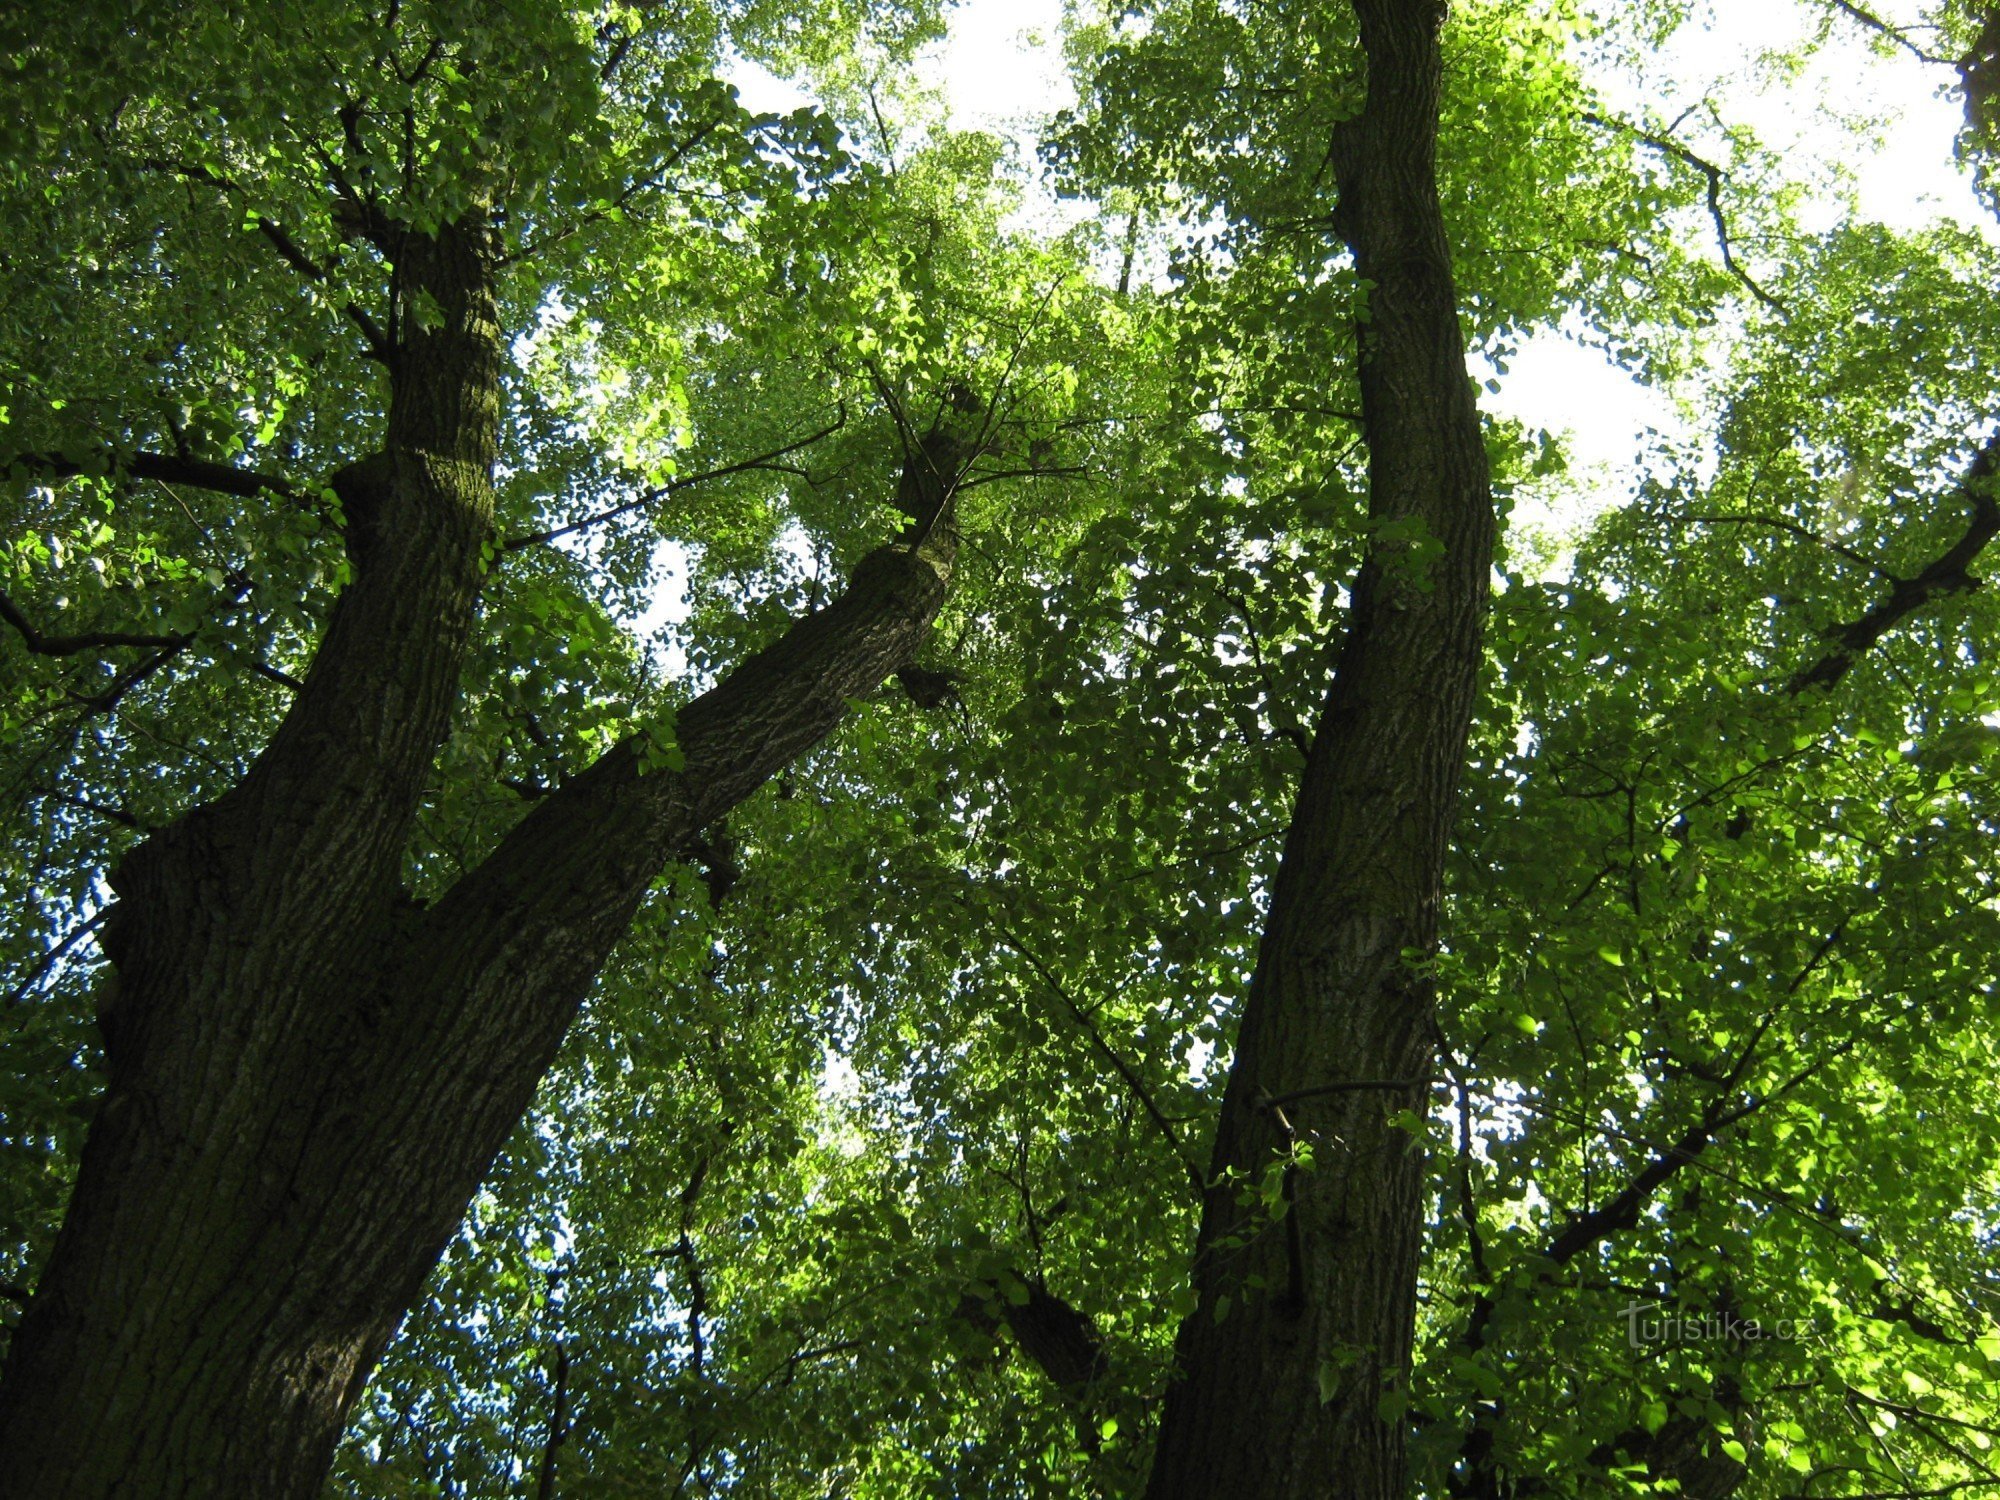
x,y
1926,1424
289,249
1028,331
173,647
684,1249
790,1369
1200,855
197,473
1476,1446
1715,177
116,815
1622,1212
54,956
1932,1494
417,74
1839,1234
381,347
190,172
1804,533
1946,574
882,129
1110,1053
545,1481
1917,1412
660,492
387,46
1475,1238
619,49
111,697
989,476
1294,732
1896,34
1748,1054
70,645
273,674
294,255
616,206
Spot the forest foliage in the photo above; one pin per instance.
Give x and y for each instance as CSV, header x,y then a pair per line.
x,y
872,1165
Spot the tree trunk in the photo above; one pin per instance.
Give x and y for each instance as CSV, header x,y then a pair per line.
x,y
308,1074
1292,1370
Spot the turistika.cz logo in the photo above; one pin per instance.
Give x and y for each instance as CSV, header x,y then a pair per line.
x,y
1642,1330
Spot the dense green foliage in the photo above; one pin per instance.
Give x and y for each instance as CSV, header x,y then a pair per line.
x,y
933,1036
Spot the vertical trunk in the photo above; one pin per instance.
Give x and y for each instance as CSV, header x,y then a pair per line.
x,y
307,1074
1291,1371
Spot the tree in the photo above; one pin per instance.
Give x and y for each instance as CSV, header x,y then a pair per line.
x,y
1250,1410
322,1027
1298,1336
876,1164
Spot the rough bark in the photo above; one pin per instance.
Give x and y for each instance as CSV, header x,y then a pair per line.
x,y
308,1074
1305,1320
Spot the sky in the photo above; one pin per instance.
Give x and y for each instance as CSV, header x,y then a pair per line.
x,y
1001,69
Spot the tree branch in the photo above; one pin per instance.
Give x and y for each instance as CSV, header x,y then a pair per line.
x,y
132,677
116,815
282,678
294,255
53,956
1715,176
197,473
289,249
660,492
558,1425
1063,1342
1793,528
1123,1069
1622,1213
491,975
1897,34
71,645
616,206
1947,574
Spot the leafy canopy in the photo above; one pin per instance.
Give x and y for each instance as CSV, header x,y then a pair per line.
x,y
898,1099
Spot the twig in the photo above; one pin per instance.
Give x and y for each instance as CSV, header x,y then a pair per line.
x,y
1881,27
1667,146
1132,1079
54,956
1779,523
882,129
660,492
631,190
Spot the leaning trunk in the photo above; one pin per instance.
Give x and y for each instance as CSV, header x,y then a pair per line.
x,y
308,1074
1292,1372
